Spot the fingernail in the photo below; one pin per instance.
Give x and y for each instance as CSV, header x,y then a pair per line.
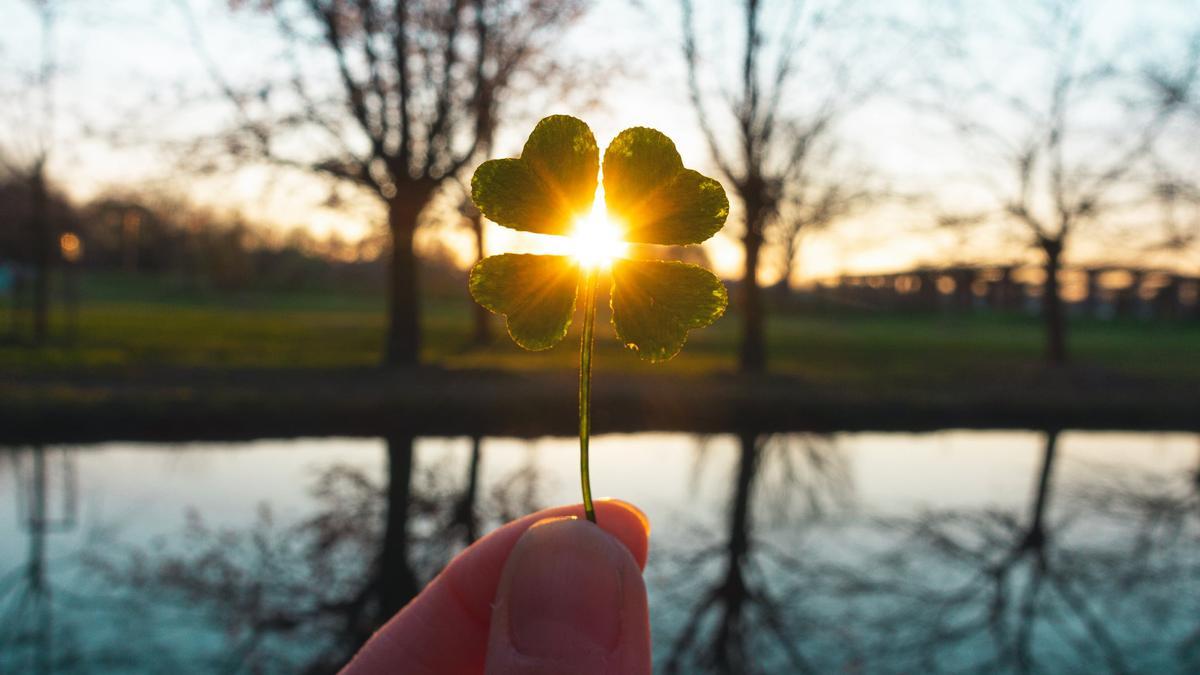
x,y
565,590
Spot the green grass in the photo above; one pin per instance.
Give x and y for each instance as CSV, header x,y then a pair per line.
x,y
125,324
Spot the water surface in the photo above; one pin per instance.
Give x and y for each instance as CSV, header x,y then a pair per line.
x,y
951,551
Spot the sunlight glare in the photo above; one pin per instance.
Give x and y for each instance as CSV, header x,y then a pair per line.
x,y
596,240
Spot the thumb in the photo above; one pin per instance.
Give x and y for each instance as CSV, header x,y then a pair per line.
x,y
571,600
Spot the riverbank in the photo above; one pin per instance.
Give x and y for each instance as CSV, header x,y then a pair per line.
x,y
176,403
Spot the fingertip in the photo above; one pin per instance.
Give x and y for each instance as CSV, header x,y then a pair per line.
x,y
628,524
638,513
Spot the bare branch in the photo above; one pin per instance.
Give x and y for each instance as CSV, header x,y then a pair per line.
x,y
355,91
697,97
438,135
403,162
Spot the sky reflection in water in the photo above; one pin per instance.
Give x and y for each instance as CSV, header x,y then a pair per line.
x,y
870,552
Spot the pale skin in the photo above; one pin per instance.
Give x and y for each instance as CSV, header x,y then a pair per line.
x,y
548,593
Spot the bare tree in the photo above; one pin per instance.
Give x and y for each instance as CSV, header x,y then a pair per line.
x,y
818,201
798,75
1176,186
412,94
481,331
1179,210
24,157
1063,147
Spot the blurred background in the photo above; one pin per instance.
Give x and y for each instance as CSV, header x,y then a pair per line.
x,y
949,422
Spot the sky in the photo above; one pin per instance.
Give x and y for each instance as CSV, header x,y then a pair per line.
x,y
131,86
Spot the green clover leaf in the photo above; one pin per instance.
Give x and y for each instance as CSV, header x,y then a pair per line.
x,y
549,186
656,302
536,293
660,202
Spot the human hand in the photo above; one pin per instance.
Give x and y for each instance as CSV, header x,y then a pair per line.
x,y
548,593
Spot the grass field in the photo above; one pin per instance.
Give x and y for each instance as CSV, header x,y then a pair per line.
x,y
125,324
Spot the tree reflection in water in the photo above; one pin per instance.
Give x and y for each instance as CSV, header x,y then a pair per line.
x,y
1096,575
304,597
1103,583
743,620
46,503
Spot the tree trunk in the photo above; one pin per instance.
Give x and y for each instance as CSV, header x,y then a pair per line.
x,y
790,254
482,333
402,345
783,288
42,255
752,354
1052,305
397,581
1035,536
728,641
739,508
465,509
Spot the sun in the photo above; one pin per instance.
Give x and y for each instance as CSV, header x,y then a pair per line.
x,y
596,240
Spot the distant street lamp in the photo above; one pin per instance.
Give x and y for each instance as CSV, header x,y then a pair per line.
x,y
71,246
71,249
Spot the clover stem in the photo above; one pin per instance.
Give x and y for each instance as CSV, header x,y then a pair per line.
x,y
585,388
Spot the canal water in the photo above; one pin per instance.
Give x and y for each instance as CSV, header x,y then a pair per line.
x,y
951,551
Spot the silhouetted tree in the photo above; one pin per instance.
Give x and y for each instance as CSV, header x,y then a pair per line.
x,y
1063,148
1179,202
819,199
24,156
481,331
1176,185
32,214
800,71
415,94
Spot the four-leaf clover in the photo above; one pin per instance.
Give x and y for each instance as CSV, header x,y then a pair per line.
x,y
653,199
547,190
